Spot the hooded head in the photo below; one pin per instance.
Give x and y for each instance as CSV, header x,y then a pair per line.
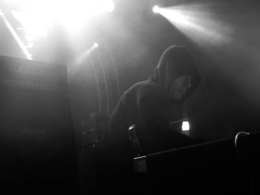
x,y
176,62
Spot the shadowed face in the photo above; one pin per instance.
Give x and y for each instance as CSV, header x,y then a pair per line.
x,y
179,87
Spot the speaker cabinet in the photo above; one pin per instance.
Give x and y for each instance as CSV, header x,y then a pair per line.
x,y
37,143
93,130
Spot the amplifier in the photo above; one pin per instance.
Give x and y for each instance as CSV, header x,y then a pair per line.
x,y
37,141
36,75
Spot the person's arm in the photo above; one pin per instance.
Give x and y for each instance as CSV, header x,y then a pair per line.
x,y
155,111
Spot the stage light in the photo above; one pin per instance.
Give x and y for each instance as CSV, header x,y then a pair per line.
x,y
198,23
95,45
185,126
156,9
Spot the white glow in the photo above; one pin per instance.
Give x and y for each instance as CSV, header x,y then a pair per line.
x,y
198,24
32,25
30,45
109,5
95,45
73,14
30,38
185,126
156,9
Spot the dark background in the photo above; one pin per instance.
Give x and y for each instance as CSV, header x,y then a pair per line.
x,y
131,40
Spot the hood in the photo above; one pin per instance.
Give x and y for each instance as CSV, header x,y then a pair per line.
x,y
176,61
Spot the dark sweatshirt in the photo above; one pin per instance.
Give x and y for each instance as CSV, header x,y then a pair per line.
x,y
146,104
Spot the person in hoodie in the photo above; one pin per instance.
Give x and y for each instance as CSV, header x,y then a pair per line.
x,y
147,104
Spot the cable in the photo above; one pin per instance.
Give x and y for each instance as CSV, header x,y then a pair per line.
x,y
249,170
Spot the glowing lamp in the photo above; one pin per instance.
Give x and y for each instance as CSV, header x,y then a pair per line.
x,y
185,126
156,9
95,45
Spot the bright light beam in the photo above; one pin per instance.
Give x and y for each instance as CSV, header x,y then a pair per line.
x,y
84,55
16,37
198,24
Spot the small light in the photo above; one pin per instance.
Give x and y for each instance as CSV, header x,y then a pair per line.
x,y
95,45
185,126
156,9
